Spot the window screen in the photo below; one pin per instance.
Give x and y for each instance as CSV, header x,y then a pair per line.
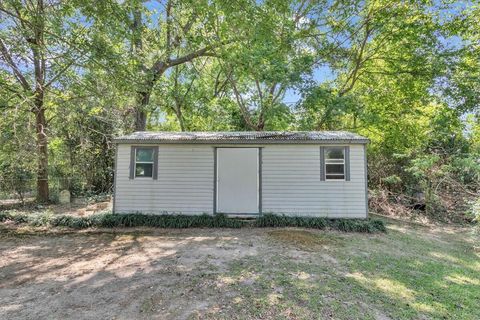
x,y
144,162
334,163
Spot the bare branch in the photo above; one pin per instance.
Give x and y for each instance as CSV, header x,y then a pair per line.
x,y
59,73
16,16
279,93
359,60
241,104
259,89
9,60
168,12
189,57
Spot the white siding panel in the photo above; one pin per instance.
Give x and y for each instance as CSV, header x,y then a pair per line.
x,y
291,183
184,185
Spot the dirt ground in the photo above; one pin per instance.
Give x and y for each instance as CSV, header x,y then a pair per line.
x,y
74,209
127,275
227,274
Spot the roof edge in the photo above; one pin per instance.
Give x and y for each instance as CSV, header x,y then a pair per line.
x,y
242,142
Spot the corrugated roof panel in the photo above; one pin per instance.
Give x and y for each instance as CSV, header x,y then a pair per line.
x,y
241,137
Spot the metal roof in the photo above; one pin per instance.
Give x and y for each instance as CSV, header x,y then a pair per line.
x,y
242,137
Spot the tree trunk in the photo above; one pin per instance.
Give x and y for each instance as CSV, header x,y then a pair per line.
x,y
178,112
42,148
143,96
140,110
140,120
181,122
160,66
179,115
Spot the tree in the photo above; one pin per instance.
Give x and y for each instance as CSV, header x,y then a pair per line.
x,y
34,56
156,40
195,96
385,57
461,84
273,58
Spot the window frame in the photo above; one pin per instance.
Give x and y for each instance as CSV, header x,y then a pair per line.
x,y
335,162
134,162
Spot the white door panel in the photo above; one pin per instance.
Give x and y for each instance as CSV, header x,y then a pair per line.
x,y
237,180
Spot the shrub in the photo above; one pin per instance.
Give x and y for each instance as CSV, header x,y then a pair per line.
x,y
15,178
347,225
110,220
474,211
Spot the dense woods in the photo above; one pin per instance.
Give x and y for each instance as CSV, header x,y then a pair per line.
x,y
405,74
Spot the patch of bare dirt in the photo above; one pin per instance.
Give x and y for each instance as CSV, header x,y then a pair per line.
x,y
74,209
81,209
150,274
193,273
14,201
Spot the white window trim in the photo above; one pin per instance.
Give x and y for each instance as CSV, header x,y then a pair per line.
x,y
335,161
144,162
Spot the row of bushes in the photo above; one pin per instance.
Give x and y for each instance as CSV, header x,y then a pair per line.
x,y
347,225
110,220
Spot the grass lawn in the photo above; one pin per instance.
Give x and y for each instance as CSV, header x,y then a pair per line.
x,y
411,272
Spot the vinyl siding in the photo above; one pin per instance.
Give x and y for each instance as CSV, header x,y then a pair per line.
x,y
184,184
290,182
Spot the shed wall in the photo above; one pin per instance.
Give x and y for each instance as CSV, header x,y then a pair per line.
x,y
184,184
290,182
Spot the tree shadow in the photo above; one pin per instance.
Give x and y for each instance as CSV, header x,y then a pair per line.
x,y
201,273
103,275
433,274
425,275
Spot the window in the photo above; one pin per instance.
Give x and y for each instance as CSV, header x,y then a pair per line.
x,y
334,163
144,162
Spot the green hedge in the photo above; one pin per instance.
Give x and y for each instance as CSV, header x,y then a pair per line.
x,y
109,220
347,225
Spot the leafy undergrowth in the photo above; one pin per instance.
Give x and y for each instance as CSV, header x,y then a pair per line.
x,y
110,220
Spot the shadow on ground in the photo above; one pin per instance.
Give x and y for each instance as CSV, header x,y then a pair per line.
x,y
408,273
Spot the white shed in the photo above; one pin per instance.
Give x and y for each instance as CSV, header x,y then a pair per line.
x,y
322,174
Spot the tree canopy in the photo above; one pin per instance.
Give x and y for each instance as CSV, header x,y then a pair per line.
x,y
73,74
